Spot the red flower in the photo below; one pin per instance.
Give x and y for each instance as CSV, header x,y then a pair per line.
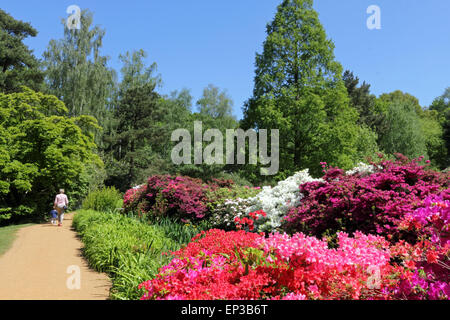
x,y
432,257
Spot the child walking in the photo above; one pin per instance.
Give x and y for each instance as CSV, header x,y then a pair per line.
x,y
53,216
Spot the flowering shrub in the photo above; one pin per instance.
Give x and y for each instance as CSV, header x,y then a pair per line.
x,y
224,214
275,202
373,203
242,265
164,195
132,197
185,198
398,212
362,169
131,194
432,275
250,222
432,221
278,200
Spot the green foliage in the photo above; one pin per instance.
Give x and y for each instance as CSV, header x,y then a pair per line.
x,y
40,152
402,129
442,106
214,103
181,233
105,199
299,90
136,143
370,114
441,103
219,195
215,112
139,118
366,144
18,65
77,73
125,248
433,133
446,136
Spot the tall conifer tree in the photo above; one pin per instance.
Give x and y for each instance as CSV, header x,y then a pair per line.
x,y
299,90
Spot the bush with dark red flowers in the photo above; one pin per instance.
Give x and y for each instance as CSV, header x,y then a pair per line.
x,y
165,195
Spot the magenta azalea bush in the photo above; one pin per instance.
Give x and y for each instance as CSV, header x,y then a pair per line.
x,y
371,203
431,279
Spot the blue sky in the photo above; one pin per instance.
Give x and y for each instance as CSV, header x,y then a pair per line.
x,y
198,42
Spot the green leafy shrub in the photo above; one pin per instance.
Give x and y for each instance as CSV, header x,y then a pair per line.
x,y
106,199
128,250
218,196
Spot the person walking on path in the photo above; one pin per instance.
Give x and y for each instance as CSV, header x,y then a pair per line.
x,y
60,204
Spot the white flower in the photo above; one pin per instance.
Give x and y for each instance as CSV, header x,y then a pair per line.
x,y
277,201
362,168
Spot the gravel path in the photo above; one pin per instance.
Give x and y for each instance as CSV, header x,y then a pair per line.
x,y
45,263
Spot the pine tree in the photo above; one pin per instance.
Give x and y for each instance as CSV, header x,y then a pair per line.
x,y
18,65
137,127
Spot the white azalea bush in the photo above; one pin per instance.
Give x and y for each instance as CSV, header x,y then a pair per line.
x,y
277,201
274,201
224,214
362,169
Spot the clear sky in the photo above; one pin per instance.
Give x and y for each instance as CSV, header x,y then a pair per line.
x,y
198,42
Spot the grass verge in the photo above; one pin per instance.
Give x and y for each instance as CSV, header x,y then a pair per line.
x,y
8,234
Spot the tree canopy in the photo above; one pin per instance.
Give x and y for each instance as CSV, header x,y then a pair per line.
x,y
42,150
18,65
299,90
